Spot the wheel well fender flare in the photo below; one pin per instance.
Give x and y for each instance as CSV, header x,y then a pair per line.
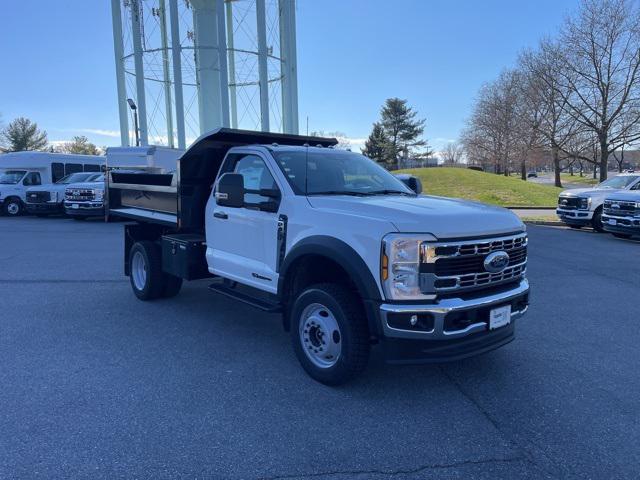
x,y
345,256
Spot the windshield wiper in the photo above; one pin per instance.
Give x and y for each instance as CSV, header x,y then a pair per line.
x,y
391,192
340,192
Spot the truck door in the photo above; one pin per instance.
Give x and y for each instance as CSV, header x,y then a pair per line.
x,y
242,242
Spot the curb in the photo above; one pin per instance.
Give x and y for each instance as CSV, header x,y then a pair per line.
x,y
531,208
549,223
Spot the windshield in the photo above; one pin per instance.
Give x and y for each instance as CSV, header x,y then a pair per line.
x,y
621,181
11,177
76,177
336,172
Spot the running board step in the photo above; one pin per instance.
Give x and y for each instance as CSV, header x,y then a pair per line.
x,y
258,303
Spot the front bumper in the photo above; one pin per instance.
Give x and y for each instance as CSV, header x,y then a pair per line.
x,y
46,207
575,217
459,329
84,209
624,225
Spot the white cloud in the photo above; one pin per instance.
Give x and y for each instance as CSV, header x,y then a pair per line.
x,y
100,132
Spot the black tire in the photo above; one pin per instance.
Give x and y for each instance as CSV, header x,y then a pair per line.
x,y
172,286
352,337
596,221
152,285
13,207
626,236
577,227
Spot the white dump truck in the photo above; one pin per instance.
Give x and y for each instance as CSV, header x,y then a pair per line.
x,y
350,256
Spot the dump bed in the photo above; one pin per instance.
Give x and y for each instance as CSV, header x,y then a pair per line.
x,y
179,199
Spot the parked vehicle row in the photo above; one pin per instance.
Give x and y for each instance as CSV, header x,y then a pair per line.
x,y
612,206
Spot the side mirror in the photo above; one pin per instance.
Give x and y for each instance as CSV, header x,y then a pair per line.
x,y
230,190
411,181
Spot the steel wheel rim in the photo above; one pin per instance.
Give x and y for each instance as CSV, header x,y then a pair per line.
x,y
139,270
13,208
320,335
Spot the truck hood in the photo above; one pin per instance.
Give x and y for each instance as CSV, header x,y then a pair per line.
x,y
99,185
625,195
589,192
439,216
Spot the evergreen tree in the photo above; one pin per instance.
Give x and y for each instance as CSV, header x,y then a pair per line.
x,y
23,134
377,146
402,129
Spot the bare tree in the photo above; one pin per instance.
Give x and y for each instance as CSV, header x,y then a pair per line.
x,y
452,153
496,132
343,140
600,73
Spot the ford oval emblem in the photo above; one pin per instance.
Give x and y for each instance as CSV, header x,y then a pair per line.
x,y
496,262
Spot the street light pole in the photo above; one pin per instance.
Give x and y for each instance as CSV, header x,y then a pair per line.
x,y
133,107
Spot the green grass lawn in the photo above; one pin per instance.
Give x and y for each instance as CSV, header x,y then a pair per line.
x,y
586,180
485,187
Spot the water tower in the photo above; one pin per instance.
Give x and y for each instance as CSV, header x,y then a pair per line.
x,y
185,67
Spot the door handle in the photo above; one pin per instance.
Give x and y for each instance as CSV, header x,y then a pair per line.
x,y
221,215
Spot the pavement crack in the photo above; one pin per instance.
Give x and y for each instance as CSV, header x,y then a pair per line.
x,y
525,450
409,471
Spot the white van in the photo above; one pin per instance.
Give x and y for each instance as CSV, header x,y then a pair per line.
x,y
21,170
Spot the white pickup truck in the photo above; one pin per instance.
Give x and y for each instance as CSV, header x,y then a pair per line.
x,y
621,213
350,256
582,207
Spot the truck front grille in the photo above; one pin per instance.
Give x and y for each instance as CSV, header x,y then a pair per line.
x,y
79,194
620,208
568,203
38,197
460,266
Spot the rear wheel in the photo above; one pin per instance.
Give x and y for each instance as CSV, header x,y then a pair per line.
x,y
148,281
622,235
145,264
329,333
596,221
13,207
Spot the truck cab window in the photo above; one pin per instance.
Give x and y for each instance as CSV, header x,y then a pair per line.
x,y
256,176
32,178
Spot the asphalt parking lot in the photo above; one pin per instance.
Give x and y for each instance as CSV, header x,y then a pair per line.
x,y
96,384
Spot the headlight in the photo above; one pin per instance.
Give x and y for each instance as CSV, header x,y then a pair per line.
x,y
99,195
400,266
585,203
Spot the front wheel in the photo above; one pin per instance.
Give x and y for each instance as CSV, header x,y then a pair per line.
x,y
329,333
13,207
596,221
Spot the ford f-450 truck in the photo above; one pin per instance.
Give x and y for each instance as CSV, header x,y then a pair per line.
x,y
621,214
581,207
351,257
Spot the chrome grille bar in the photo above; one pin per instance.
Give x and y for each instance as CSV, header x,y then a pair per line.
x,y
445,270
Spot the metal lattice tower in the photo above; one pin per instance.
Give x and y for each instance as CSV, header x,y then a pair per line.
x,y
194,65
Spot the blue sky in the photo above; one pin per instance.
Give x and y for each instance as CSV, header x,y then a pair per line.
x,y
57,65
